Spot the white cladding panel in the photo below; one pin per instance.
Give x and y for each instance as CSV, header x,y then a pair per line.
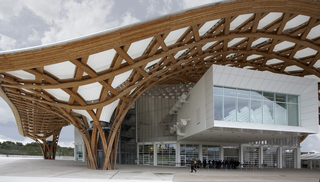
x,y
224,76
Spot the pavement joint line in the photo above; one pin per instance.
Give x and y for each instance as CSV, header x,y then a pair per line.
x,y
114,175
64,174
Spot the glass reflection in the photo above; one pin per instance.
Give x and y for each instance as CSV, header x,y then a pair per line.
x,y
230,109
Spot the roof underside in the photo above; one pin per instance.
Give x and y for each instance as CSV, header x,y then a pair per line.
x,y
55,85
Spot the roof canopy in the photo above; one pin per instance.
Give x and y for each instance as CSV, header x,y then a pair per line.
x,y
50,86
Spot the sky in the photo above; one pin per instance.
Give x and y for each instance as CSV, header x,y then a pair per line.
x,y
28,23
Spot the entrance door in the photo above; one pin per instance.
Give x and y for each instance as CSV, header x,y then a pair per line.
x,y
146,159
182,161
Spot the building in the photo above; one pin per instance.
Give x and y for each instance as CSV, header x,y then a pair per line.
x,y
249,116
253,68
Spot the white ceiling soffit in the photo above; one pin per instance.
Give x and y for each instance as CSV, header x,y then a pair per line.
x,y
90,92
235,41
137,48
292,68
59,94
305,53
207,45
268,19
314,32
119,79
174,36
283,45
22,75
273,61
108,110
296,21
239,20
207,26
152,63
26,90
84,113
62,70
102,60
259,41
179,53
253,56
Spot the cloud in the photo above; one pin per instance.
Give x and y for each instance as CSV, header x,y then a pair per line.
x,y
80,18
48,10
25,141
156,8
66,144
311,143
191,3
9,8
128,19
6,114
34,37
7,43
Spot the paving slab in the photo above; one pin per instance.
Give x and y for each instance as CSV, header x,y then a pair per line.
x,y
39,170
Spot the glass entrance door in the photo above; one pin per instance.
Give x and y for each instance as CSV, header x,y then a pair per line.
x,y
182,161
146,159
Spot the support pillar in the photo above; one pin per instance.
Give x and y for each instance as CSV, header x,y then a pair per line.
x,y
280,158
221,152
155,154
297,158
261,156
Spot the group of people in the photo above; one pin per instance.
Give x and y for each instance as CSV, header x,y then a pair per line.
x,y
225,164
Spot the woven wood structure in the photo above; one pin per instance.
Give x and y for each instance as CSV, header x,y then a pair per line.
x,y
278,36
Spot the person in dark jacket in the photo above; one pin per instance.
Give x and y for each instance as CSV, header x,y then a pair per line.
x,y
192,165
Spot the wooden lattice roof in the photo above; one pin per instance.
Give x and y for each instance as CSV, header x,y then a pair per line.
x,y
48,85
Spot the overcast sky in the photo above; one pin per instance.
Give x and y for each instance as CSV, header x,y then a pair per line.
x,y
27,23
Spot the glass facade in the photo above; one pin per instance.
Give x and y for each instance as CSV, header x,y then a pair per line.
x,y
248,106
146,154
166,155
251,156
189,151
79,153
288,158
210,152
270,158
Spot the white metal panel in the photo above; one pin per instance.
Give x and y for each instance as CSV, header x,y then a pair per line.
x,y
207,26
239,20
268,19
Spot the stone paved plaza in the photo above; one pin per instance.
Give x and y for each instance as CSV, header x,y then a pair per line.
x,y
35,170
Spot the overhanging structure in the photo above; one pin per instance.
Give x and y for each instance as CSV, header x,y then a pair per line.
x,y
84,79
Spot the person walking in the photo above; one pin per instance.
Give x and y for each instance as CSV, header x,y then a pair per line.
x,y
192,165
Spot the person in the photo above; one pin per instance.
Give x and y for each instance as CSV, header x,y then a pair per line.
x,y
204,163
192,165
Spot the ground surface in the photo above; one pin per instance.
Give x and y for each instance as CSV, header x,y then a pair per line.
x,y
38,170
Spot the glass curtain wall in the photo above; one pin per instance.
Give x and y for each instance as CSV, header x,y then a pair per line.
x,y
146,154
79,153
288,158
211,152
270,158
251,156
248,106
166,154
190,151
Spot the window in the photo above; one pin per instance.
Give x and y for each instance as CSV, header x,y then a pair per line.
x,y
249,106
